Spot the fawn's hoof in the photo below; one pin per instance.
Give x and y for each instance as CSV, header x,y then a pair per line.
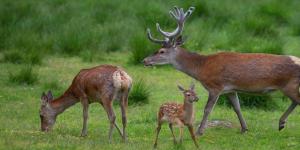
x,y
83,135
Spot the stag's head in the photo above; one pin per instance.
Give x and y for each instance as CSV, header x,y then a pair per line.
x,y
47,114
190,95
167,53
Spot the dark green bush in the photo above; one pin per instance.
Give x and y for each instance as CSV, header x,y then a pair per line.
x,y
23,57
261,101
140,93
140,47
24,76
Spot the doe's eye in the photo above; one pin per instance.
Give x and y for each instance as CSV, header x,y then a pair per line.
x,y
161,52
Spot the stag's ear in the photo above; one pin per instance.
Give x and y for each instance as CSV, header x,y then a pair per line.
x,y
49,95
180,88
192,86
180,41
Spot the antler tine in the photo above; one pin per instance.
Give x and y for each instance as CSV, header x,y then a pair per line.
x,y
180,17
189,12
153,39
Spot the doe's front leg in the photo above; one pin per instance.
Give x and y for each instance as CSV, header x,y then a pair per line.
x,y
85,106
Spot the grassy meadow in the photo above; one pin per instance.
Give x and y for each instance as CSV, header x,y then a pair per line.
x,y
43,44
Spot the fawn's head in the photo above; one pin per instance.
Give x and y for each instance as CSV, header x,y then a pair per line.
x,y
172,40
190,95
47,114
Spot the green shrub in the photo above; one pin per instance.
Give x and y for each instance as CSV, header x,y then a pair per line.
x,y
140,48
23,57
261,101
140,93
24,76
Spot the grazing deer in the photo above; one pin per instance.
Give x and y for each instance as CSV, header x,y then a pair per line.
x,y
100,84
178,114
228,72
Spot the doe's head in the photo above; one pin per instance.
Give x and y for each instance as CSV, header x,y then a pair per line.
x,y
47,114
189,94
168,51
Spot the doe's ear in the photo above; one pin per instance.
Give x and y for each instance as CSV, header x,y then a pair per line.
x,y
192,86
44,99
180,88
49,95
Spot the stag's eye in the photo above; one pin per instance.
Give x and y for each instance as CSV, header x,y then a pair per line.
x,y
161,52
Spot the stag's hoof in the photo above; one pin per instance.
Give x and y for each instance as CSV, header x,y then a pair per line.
x,y
281,125
83,135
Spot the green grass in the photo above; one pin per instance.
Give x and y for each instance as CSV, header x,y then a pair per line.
x,y
60,37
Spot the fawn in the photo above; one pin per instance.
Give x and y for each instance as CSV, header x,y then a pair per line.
x,y
101,84
178,114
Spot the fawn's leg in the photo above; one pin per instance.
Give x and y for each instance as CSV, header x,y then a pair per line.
x,y
191,129
171,128
181,134
85,106
157,133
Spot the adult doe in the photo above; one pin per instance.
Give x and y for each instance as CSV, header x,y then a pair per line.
x,y
228,72
100,84
178,114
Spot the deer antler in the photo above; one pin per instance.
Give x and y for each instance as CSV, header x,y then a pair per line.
x,y
179,15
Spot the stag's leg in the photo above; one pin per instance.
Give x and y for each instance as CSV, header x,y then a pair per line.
x,y
233,97
292,91
191,129
124,104
157,133
283,118
171,128
212,99
85,105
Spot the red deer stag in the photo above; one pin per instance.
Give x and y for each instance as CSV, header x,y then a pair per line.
x,y
100,84
228,72
178,114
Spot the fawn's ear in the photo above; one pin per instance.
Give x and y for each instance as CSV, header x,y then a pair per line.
x,y
180,88
49,95
192,86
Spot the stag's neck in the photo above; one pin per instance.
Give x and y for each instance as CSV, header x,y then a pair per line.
x,y
188,62
188,112
65,101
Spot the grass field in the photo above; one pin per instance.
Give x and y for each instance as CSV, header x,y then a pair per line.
x,y
43,44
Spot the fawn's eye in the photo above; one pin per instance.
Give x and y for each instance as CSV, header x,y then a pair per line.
x,y
188,94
